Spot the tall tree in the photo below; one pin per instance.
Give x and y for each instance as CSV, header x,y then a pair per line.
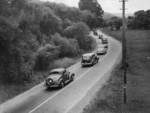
x,y
4,5
91,5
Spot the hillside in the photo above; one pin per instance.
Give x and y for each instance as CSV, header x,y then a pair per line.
x,y
120,14
107,15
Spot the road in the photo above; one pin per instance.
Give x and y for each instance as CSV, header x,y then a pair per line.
x,y
41,100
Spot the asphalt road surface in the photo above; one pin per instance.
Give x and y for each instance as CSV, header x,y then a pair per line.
x,y
41,100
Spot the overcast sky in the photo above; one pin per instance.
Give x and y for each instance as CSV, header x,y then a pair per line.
x,y
112,6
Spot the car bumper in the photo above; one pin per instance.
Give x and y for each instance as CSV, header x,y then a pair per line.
x,y
102,52
86,64
104,42
51,85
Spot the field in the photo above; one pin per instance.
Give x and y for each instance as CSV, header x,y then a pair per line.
x,y
138,78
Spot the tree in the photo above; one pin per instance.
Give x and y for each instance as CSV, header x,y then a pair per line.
x,y
116,22
91,5
89,18
80,31
67,47
50,22
4,6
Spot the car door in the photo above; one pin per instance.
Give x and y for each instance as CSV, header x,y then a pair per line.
x,y
96,58
67,74
93,57
64,76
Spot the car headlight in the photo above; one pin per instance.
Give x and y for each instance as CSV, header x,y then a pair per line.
x,y
50,81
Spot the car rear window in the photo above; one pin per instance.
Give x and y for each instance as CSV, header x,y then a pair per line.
x,y
86,57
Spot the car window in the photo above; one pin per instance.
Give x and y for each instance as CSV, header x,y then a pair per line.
x,y
55,72
93,56
86,57
64,71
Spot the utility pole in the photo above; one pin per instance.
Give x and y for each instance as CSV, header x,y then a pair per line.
x,y
123,41
124,64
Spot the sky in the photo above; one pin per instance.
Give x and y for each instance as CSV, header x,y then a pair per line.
x,y
112,6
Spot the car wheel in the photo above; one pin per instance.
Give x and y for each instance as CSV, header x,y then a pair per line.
x,y
92,64
62,84
97,60
72,77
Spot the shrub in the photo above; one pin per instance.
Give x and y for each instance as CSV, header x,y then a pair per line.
x,y
67,47
45,56
80,31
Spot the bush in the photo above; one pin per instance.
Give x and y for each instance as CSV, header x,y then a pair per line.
x,y
67,47
45,56
80,32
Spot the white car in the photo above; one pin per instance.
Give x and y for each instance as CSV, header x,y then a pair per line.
x,y
103,46
101,50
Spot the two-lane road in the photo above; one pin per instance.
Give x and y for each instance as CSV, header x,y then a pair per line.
x,y
40,100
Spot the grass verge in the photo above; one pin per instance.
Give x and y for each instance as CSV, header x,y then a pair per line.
x,y
108,99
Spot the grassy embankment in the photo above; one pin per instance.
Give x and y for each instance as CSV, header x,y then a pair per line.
x,y
108,99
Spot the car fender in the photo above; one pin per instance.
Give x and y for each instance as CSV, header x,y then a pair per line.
x,y
60,80
72,74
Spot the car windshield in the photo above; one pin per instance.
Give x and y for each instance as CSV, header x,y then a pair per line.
x,y
86,57
100,49
101,46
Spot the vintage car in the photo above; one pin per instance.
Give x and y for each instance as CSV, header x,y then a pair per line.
x,y
95,33
100,36
101,50
58,78
104,40
89,59
103,45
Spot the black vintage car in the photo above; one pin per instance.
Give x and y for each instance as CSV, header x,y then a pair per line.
x,y
58,78
100,36
89,59
95,33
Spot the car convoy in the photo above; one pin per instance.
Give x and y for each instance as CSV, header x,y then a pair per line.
x,y
60,77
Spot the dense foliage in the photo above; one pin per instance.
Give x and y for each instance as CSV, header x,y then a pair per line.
x,y
140,20
95,8
35,34
114,23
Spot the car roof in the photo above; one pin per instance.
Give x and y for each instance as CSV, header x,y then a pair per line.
x,y
58,70
88,54
102,45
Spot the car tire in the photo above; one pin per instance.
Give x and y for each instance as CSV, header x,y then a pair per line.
x,y
62,84
72,77
92,64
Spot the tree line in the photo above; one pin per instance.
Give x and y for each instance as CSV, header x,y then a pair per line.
x,y
33,34
140,20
